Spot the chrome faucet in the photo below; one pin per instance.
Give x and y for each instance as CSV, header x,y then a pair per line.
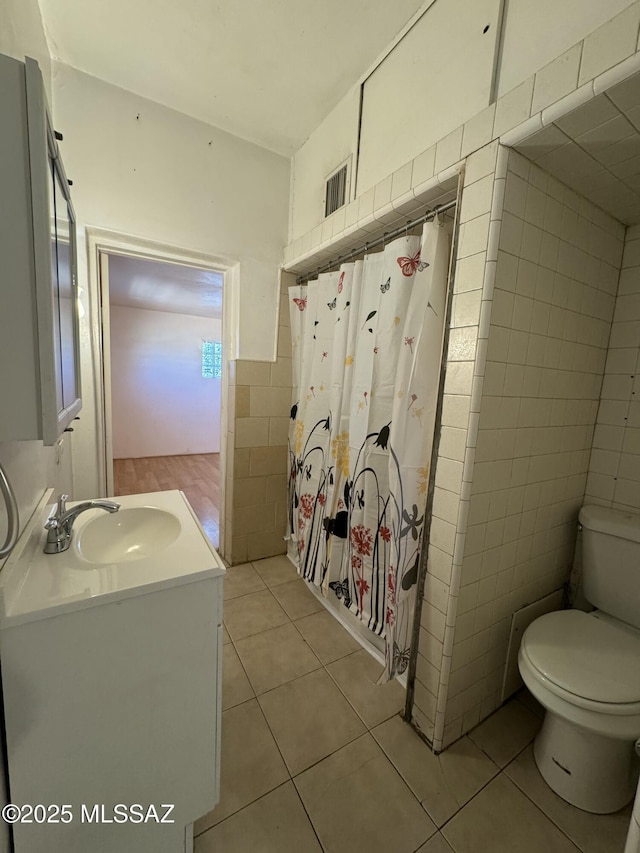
x,y
60,525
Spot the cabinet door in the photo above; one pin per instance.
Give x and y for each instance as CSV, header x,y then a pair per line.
x,y
54,265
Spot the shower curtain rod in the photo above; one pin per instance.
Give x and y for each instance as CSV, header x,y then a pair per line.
x,y
388,235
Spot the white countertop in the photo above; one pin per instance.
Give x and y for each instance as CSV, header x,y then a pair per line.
x,y
35,585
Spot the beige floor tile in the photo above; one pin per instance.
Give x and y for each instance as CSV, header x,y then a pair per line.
x,y
500,819
359,804
276,570
296,599
241,580
225,636
356,675
236,688
506,732
310,719
443,783
274,657
436,844
327,637
591,832
275,823
251,764
252,614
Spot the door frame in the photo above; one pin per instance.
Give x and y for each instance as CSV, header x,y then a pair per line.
x,y
100,244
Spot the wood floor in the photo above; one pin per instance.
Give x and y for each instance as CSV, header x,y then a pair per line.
x,y
198,476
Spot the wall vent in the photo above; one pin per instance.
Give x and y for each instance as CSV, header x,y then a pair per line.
x,y
336,189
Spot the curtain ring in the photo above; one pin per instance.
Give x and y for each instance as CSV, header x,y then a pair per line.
x,y
384,238
406,229
366,248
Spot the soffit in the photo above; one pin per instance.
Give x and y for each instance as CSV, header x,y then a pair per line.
x,y
596,150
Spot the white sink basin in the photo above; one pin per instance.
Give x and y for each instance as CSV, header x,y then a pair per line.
x,y
129,534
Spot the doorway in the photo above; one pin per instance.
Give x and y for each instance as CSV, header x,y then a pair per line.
x,y
162,370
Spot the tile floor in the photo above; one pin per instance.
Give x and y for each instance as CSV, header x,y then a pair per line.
x,y
316,758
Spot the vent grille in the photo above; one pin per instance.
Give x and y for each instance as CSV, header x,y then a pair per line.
x,y
336,190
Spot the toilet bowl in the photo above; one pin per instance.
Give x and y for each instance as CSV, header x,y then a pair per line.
x,y
584,669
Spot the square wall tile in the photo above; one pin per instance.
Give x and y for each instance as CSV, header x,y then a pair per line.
x,y
513,108
478,130
251,432
252,373
610,43
557,79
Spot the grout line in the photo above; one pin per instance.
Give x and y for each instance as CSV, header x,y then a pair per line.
x,y
313,827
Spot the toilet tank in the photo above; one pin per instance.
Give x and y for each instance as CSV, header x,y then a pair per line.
x,y
611,561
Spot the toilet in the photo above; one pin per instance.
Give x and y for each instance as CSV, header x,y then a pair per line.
x,y
584,668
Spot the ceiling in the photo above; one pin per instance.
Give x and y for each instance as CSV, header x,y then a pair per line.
x,y
596,150
265,70
159,286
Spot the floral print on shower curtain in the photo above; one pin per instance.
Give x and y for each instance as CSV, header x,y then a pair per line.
x,y
366,350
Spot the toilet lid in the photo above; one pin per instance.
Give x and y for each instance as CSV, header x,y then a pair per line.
x,y
586,655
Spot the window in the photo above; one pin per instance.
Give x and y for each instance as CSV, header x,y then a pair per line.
x,y
211,359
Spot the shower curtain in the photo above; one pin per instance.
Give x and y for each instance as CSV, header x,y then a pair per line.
x,y
367,342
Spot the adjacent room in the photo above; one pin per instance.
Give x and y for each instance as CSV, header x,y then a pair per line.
x,y
164,368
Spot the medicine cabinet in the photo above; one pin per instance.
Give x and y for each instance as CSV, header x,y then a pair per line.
x,y
39,345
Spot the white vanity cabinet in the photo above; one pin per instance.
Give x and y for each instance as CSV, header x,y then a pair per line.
x,y
111,676
39,340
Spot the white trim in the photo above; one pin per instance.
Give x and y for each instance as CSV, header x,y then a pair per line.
x,y
105,364
100,240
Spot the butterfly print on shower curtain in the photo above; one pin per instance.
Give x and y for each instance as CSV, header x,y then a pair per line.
x,y
410,265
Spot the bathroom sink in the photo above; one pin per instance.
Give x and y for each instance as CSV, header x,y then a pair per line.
x,y
129,534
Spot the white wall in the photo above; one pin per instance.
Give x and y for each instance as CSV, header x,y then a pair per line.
x,y
22,34
416,97
161,405
326,149
150,172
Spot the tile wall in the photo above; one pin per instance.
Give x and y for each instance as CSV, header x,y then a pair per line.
x,y
535,287
614,470
452,492
257,429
